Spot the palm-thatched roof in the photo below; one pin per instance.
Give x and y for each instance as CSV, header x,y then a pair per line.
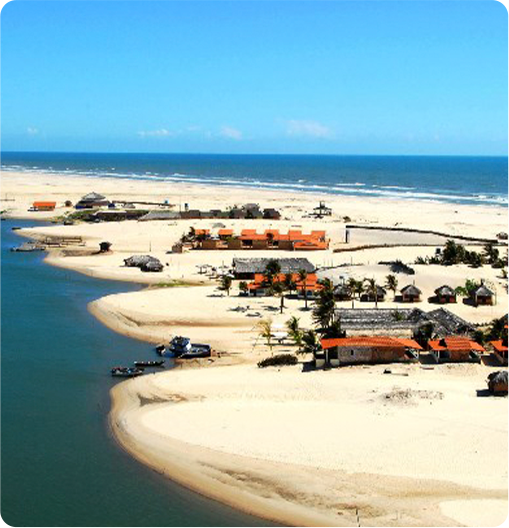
x,y
483,291
443,322
93,197
136,261
258,265
410,289
445,290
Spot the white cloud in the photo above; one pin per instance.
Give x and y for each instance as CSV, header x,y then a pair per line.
x,y
32,131
162,132
231,133
296,127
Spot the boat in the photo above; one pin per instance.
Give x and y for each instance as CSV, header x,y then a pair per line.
x,y
159,363
179,345
198,350
160,349
126,372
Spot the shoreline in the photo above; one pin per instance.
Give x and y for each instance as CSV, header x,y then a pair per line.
x,y
270,488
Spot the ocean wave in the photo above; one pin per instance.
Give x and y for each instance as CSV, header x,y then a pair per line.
x,y
347,188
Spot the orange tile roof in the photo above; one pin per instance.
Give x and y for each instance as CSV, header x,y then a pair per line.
x,y
225,232
375,341
246,232
44,204
201,231
499,345
457,343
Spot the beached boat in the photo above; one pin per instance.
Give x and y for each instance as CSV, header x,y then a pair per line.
x,y
160,349
126,372
159,363
178,346
198,350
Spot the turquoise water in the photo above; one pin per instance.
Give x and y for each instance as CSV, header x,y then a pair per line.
x,y
60,466
452,179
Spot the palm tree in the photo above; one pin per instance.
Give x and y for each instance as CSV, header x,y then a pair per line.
x,y
243,287
272,270
226,284
391,282
491,253
278,289
294,330
371,288
265,331
289,282
311,342
356,287
303,277
325,306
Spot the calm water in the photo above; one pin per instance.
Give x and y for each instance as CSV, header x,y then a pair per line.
x,y
60,467
457,179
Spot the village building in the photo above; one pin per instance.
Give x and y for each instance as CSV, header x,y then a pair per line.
x,y
455,349
401,322
483,296
261,286
91,200
500,350
247,268
370,296
43,206
366,350
342,292
410,294
445,295
497,382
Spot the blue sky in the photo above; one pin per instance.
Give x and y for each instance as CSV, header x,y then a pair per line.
x,y
330,77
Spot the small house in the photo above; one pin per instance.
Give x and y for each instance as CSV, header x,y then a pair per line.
x,y
445,295
370,296
43,206
91,200
411,294
271,214
483,296
366,350
497,382
455,349
500,350
342,292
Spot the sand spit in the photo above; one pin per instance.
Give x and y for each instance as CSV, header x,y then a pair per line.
x,y
348,447
324,448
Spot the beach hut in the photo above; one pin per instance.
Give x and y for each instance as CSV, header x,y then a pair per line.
x,y
366,350
497,382
410,294
445,295
43,206
91,200
455,349
342,292
271,214
370,297
500,350
483,296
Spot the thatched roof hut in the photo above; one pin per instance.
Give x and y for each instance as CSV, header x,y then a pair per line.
x,y
411,293
445,294
483,295
144,262
497,382
245,268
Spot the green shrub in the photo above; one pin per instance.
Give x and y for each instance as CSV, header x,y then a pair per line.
x,y
278,360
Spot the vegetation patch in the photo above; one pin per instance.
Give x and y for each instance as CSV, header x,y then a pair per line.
x,y
278,360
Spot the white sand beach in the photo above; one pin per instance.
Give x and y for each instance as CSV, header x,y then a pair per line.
x,y
352,446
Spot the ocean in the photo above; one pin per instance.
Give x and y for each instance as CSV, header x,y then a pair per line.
x,y
60,465
452,179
